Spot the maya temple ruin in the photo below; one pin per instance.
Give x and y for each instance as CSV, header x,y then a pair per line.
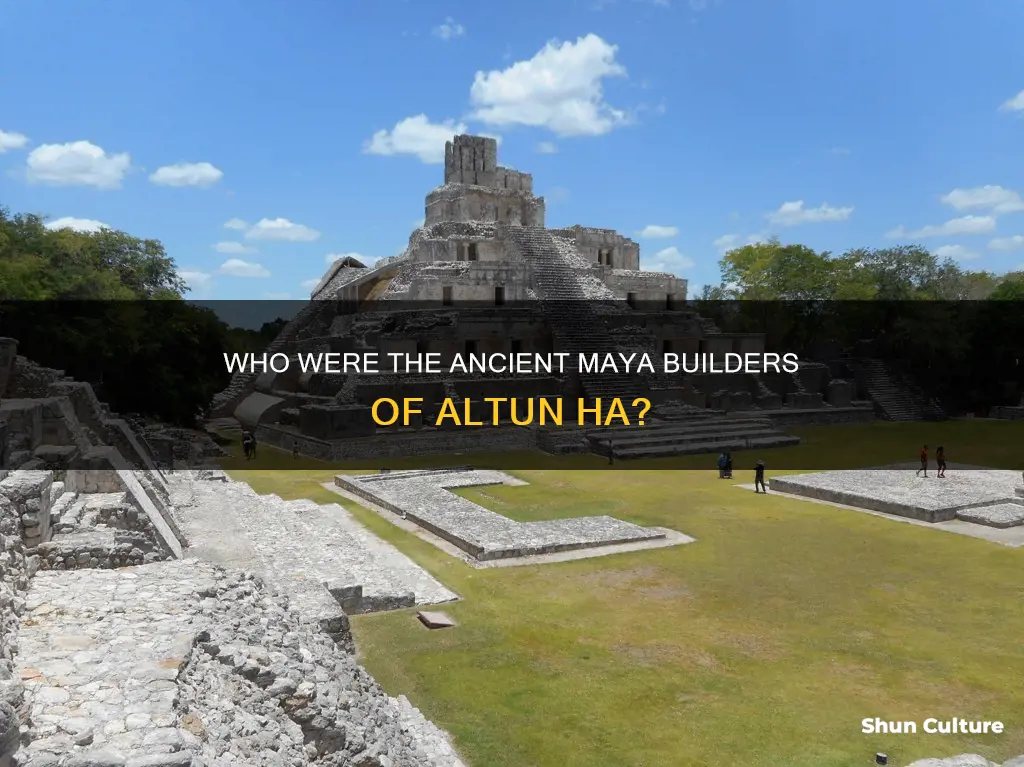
x,y
155,612
485,275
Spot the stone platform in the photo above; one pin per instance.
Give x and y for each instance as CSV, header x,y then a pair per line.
x,y
328,563
425,498
900,492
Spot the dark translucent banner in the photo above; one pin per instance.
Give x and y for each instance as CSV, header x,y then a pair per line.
x,y
642,383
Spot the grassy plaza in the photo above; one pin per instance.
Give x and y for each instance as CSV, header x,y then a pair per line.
x,y
764,643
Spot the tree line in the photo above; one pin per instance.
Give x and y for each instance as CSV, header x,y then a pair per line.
x,y
110,309
956,332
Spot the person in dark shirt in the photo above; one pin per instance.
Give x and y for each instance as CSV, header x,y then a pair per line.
x,y
940,461
924,462
759,485
728,465
721,465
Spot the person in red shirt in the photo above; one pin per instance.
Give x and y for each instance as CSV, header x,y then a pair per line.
x,y
924,462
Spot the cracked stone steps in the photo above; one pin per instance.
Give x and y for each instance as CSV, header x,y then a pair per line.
x,y
389,579
100,651
279,550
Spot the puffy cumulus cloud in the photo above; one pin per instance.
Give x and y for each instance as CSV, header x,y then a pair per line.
x,y
561,88
449,30
78,224
657,232
1014,104
197,281
956,252
236,267
187,174
233,247
236,223
952,228
415,136
77,163
10,140
281,229
668,260
794,213
547,147
990,198
1016,242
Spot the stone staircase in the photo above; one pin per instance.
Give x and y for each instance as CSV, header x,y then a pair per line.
x,y
895,397
572,320
318,554
688,437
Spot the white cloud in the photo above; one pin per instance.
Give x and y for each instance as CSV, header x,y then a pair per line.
x,y
11,140
994,199
281,229
794,213
727,242
560,89
277,296
1015,104
1016,242
78,163
956,252
309,284
449,30
187,174
235,223
657,232
233,247
547,147
236,267
669,260
416,136
196,280
78,224
952,228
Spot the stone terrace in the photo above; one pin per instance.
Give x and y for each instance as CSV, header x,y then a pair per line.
x,y
426,498
899,491
299,546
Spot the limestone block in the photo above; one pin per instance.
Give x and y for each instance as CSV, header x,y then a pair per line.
x,y
840,393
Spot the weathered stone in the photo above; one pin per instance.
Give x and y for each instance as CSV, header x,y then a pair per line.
x,y
435,620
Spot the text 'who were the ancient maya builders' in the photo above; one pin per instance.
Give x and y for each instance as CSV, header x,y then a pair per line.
x,y
495,279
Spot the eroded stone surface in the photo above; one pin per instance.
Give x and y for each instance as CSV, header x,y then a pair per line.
x,y
1000,515
425,497
902,492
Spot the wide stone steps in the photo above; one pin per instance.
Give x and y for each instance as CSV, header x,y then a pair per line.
x,y
301,546
689,437
389,580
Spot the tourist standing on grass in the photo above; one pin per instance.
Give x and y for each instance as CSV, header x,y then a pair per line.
x,y
759,485
728,465
247,446
940,461
924,462
721,465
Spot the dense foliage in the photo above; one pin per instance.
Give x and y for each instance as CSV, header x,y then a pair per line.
x,y
108,308
956,332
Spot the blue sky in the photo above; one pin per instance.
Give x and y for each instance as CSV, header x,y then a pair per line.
x,y
314,127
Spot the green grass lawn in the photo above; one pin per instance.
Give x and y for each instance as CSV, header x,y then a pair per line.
x,y
763,643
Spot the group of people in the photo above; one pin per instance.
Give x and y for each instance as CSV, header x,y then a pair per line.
x,y
725,471
940,462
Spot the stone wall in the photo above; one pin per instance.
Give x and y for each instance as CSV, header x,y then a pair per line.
x,y
29,495
16,568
